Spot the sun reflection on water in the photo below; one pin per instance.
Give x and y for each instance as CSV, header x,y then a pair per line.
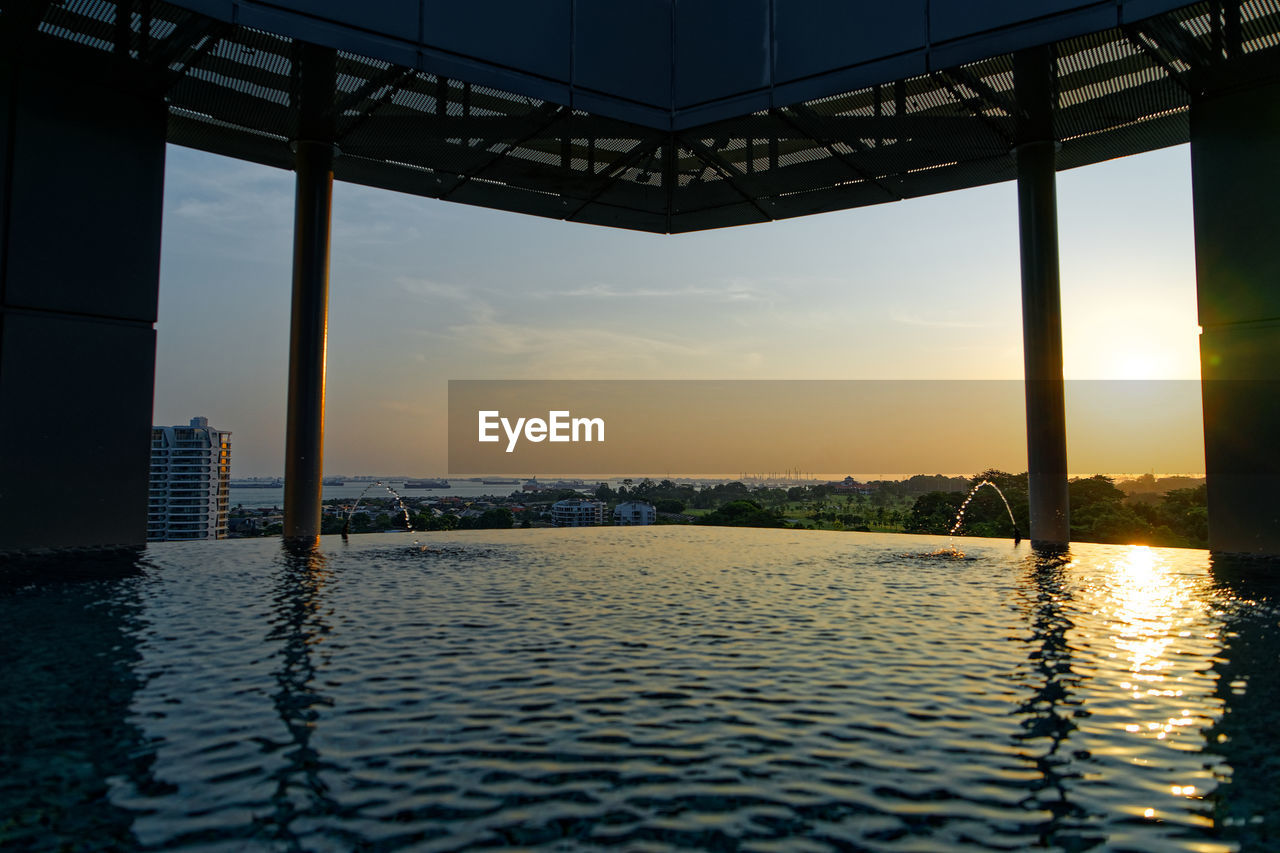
x,y
1156,618
1145,597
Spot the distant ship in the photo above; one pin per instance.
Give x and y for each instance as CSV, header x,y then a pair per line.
x,y
333,481
568,484
426,484
532,485
257,484
500,482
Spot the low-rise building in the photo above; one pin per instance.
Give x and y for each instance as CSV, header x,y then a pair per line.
x,y
851,486
574,513
631,513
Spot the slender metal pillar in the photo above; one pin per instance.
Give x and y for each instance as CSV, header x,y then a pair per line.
x,y
1041,302
304,437
304,431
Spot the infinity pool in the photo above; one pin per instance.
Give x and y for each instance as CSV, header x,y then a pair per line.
x,y
643,689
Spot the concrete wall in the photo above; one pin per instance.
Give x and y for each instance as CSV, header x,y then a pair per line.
x,y
80,216
1235,183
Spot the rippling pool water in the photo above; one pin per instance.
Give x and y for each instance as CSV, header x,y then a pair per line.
x,y
643,688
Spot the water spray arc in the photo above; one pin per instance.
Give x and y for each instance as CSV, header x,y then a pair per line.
x,y
1017,534
399,501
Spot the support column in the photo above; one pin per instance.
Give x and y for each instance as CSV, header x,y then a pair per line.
x,y
1041,303
81,197
304,436
1235,180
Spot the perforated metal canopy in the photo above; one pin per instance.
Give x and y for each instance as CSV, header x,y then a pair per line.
x,y
679,164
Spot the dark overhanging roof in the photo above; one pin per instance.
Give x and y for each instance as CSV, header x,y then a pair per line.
x,y
231,88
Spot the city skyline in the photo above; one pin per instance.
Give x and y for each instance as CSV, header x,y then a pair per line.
x,y
424,291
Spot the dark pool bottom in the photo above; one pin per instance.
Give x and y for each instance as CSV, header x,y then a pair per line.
x,y
644,689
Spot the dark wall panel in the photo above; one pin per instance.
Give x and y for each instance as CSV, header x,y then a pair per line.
x,y
397,18
530,35
89,190
816,36
82,213
1235,179
7,72
722,49
223,10
1136,10
77,419
950,19
624,49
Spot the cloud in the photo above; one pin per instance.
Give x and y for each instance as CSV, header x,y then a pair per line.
x,y
514,350
425,288
378,220
929,323
230,204
730,292
473,303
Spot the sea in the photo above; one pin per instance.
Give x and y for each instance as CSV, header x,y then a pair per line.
x,y
660,688
274,497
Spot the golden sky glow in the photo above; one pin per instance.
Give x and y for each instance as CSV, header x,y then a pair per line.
x,y
422,292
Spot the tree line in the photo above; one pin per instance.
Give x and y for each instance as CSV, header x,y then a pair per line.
x,y
1100,512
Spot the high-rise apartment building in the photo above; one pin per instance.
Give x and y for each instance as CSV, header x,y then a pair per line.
x,y
190,482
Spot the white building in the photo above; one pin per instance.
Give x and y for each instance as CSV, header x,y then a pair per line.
x,y
634,512
571,513
190,482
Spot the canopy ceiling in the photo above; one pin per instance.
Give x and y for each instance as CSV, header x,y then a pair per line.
x,y
658,115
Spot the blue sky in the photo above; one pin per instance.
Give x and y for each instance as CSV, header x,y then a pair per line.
x,y
423,291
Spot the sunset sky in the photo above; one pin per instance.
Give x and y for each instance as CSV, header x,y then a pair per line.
x,y
423,291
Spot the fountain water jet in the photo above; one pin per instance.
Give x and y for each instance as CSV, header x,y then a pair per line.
x,y
1017,535
951,552
346,525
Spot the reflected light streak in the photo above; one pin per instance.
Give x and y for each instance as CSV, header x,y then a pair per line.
x,y
1145,599
1147,606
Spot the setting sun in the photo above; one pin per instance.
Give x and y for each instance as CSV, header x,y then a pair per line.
x,y
1136,365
